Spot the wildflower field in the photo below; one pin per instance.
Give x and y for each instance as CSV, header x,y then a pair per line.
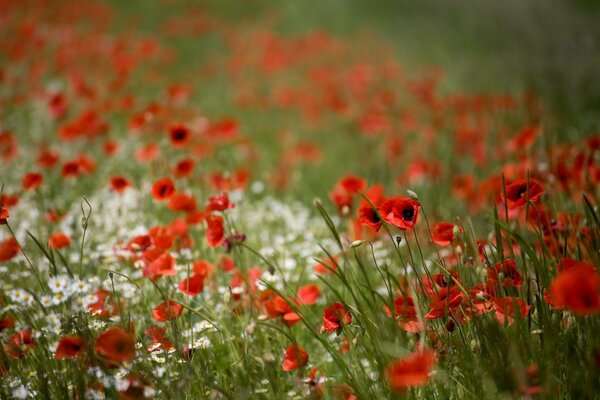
x,y
299,199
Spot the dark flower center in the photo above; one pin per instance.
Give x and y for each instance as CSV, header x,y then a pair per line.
x,y
408,214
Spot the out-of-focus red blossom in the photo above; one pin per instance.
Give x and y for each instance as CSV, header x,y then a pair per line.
x,y
507,308
444,302
69,347
278,307
162,189
406,314
102,308
9,148
158,339
334,317
326,267
19,344
576,289
182,202
179,135
511,277
295,357
442,233
192,285
215,231
308,294
184,168
110,147
115,344
119,183
59,240
220,202
167,311
401,212
147,153
517,193
525,138
135,389
8,249
70,169
411,371
163,265
4,215
31,181
7,322
226,264
345,190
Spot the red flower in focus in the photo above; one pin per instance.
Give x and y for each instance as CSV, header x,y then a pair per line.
x,y
179,135
334,317
4,215
115,344
401,212
444,302
192,285
308,294
31,181
576,289
443,233
19,344
167,311
119,183
214,230
410,371
294,358
59,240
69,347
368,216
163,189
517,193
8,249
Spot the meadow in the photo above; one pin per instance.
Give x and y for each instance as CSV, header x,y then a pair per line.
x,y
299,199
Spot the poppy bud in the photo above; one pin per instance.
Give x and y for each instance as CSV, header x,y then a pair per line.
x,y
357,243
398,240
412,195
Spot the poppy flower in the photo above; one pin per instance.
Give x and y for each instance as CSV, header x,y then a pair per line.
x,y
410,371
115,344
328,266
147,153
8,249
192,285
352,184
295,357
401,212
69,347
167,311
507,308
7,322
47,159
214,231
334,317
179,135
31,181
184,168
577,289
19,344
4,215
517,193
445,301
158,338
219,203
278,307
119,183
368,216
59,240
442,233
308,294
182,202
511,275
162,265
70,169
163,189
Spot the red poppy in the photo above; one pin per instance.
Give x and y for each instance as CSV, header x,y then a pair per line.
x,y
401,212
443,233
226,264
147,153
7,322
192,285
163,189
507,308
119,183
511,277
410,371
182,202
31,181
219,203
162,265
308,294
445,301
70,169
69,347
352,184
115,344
59,240
8,249
179,135
184,168
215,231
167,311
295,357
517,193
159,340
4,215
369,217
334,317
19,344
576,289
327,267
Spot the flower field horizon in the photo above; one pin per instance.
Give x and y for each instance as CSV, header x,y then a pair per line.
x,y
267,200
